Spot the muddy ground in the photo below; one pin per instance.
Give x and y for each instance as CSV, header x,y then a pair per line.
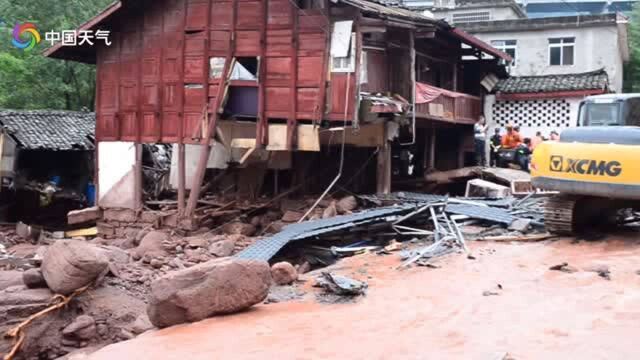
x,y
506,301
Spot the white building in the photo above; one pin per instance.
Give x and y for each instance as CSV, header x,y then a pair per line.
x,y
560,45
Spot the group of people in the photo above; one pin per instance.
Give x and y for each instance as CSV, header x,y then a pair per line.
x,y
510,140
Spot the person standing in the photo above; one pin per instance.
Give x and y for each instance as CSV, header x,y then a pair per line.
x,y
554,136
495,142
480,134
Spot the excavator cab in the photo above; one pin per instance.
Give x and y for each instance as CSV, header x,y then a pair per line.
x,y
610,110
594,166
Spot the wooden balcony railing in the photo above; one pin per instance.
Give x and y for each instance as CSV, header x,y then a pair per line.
x,y
451,106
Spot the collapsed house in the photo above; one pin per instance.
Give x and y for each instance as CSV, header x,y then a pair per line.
x,y
262,97
46,164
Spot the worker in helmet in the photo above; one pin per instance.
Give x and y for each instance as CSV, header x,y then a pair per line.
x,y
511,139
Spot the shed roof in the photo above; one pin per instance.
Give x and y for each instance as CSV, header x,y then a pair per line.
x,y
593,80
50,129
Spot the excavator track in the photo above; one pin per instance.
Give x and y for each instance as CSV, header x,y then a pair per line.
x,y
559,214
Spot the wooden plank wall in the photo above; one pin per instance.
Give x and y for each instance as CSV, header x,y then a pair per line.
x,y
153,82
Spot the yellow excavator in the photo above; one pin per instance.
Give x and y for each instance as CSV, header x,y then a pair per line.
x,y
595,167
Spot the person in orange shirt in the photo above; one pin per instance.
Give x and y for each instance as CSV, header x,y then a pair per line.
x,y
511,139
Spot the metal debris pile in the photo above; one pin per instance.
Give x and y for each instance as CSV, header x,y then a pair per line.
x,y
446,234
399,218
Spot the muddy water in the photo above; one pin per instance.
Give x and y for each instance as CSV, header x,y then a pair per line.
x,y
441,313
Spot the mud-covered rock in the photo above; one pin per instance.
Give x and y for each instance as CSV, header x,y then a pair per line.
x,y
10,278
71,264
33,279
283,273
346,204
222,248
216,287
239,228
151,244
82,328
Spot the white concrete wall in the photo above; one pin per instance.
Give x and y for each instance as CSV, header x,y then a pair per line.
x,y
497,13
595,48
116,179
529,132
218,159
7,155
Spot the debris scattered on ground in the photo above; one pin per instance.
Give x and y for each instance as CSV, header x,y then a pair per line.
x,y
341,285
564,267
493,292
602,271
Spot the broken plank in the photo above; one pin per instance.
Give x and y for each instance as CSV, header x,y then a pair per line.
x,y
92,231
523,238
451,175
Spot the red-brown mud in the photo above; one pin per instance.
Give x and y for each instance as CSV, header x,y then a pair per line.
x,y
424,313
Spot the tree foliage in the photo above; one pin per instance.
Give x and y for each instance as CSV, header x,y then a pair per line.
x,y
29,80
632,69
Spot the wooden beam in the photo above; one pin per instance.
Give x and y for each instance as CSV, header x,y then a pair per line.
x,y
137,193
432,151
291,120
181,179
383,183
262,130
223,85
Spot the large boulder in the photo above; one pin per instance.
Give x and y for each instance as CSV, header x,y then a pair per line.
x,y
220,286
71,264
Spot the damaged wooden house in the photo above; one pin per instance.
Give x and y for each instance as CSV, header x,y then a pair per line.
x,y
46,165
261,96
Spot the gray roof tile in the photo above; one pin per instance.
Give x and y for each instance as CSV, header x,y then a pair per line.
x,y
50,129
593,80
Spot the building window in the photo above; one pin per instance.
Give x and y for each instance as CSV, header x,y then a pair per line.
x,y
508,46
561,51
467,17
345,63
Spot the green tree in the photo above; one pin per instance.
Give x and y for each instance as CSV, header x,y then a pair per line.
x,y
28,80
632,69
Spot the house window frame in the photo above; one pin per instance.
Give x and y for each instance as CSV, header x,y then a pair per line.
x,y
347,63
504,47
562,43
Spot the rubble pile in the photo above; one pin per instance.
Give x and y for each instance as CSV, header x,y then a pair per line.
x,y
149,270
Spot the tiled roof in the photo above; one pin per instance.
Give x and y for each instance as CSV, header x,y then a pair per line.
x,y
593,80
50,130
561,22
